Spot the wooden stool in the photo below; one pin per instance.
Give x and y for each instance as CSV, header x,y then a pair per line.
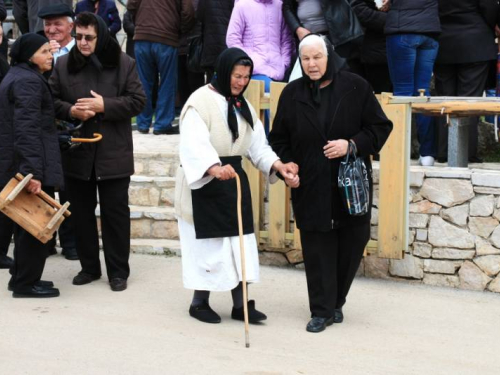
x,y
38,214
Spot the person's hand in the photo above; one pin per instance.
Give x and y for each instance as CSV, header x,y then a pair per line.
x,y
385,6
302,32
336,149
223,173
293,182
286,170
497,30
34,186
1,34
54,46
81,114
95,104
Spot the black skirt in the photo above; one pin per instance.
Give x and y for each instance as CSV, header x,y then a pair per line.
x,y
215,205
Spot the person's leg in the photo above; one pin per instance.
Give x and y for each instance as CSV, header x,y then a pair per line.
x,y
445,78
148,73
379,78
166,59
6,232
83,198
320,251
352,243
200,297
115,226
66,232
401,58
472,79
426,56
254,315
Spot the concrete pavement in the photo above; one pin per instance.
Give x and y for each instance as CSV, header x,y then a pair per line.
x,y
389,328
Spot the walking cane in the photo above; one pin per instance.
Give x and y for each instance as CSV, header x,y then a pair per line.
x,y
243,269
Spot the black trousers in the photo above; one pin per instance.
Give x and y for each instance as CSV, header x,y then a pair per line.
x,y
115,224
188,82
331,260
379,78
29,257
460,80
6,232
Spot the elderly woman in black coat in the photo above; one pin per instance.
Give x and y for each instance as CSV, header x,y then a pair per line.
x,y
29,144
317,116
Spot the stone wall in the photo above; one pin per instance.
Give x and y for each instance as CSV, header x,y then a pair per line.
x,y
454,231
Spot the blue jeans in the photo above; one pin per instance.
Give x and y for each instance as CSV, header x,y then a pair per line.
x,y
267,87
411,60
155,59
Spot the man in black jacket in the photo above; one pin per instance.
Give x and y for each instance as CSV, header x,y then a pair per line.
x,y
466,51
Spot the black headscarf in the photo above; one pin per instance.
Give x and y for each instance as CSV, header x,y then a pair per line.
x,y
79,61
25,47
335,63
222,83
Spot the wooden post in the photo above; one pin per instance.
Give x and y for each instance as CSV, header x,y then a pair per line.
x,y
394,183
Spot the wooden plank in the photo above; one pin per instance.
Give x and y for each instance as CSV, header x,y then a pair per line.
x,y
394,184
456,108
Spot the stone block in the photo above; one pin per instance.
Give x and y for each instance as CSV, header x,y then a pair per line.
x,y
486,190
138,167
446,253
410,267
376,267
495,237
489,264
375,196
482,178
415,196
416,178
449,172
163,167
375,173
471,277
140,228
425,207
482,205
168,197
374,232
436,279
143,196
418,220
374,219
482,226
422,250
496,214
421,235
484,247
495,285
268,258
165,229
457,215
442,234
295,256
447,192
441,266
411,237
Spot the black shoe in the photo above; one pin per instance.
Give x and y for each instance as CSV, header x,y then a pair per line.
x,y
6,262
84,278
36,292
143,131
254,316
169,131
338,315
475,159
442,159
318,324
40,284
204,313
52,251
70,253
118,285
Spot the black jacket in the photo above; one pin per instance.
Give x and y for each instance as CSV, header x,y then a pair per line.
x,y
468,31
297,136
28,136
214,16
124,98
373,49
343,26
129,28
413,17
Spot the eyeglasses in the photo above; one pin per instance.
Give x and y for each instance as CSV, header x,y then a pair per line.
x,y
88,38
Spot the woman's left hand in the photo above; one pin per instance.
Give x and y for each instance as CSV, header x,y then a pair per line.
x,y
336,149
95,104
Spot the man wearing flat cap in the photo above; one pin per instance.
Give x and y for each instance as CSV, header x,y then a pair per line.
x,y
26,13
57,26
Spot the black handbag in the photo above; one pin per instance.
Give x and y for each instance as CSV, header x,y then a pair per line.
x,y
194,54
353,182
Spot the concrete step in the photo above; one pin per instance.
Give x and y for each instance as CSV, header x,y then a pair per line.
x,y
152,190
151,222
155,246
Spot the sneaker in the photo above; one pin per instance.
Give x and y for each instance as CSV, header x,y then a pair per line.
x,y
204,313
426,161
254,315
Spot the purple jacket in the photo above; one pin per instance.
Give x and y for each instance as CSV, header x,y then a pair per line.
x,y
107,11
258,28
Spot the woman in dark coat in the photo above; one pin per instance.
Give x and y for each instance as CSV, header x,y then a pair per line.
x,y
97,83
317,115
29,144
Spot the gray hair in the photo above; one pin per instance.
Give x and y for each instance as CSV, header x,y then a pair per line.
x,y
311,40
68,18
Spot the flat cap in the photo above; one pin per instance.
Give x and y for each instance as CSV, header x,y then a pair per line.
x,y
56,10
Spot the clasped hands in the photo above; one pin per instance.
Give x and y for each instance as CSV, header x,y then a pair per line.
x,y
86,108
289,171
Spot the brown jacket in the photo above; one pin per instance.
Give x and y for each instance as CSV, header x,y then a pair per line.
x,y
161,21
124,98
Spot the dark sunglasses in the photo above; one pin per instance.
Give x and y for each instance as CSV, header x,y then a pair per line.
x,y
88,38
